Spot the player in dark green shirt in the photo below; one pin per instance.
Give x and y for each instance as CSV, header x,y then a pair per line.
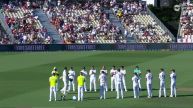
x,y
138,72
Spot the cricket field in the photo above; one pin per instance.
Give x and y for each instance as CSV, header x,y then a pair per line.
x,y
24,78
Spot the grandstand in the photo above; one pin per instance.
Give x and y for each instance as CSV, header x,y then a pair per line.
x,y
82,23
142,24
185,34
3,36
25,27
85,23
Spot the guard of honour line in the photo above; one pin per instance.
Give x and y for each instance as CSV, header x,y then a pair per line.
x,y
118,82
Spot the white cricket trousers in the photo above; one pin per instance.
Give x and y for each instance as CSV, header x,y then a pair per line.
x,y
64,88
80,93
139,82
57,85
124,83
173,89
106,86
102,91
149,90
93,82
136,91
71,83
113,83
52,90
85,89
119,89
162,88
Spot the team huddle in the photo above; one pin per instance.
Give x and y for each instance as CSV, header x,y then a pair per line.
x,y
118,82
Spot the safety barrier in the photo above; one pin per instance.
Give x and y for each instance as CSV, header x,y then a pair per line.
x,y
93,47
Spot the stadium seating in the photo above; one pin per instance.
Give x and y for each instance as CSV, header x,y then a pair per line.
x,y
3,37
186,24
4,40
84,24
140,24
25,27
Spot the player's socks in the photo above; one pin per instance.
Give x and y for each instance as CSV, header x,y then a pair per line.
x,y
101,97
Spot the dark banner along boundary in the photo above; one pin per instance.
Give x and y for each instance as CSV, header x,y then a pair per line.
x,y
90,47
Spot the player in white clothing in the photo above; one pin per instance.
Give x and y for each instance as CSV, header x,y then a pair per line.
x,y
105,71
119,83
113,72
173,83
149,78
84,74
64,79
71,77
135,79
103,80
123,71
92,74
162,77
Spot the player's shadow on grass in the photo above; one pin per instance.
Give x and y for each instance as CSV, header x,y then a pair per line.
x,y
154,89
91,98
187,95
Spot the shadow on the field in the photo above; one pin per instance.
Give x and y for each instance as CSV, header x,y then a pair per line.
x,y
91,98
154,89
64,100
188,95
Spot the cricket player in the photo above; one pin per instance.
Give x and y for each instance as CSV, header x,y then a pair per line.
x,y
102,80
92,74
149,78
64,79
123,71
55,70
80,81
53,81
135,79
162,77
119,83
113,72
105,71
71,77
84,73
138,72
173,83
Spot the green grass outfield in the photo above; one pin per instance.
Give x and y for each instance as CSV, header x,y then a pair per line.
x,y
24,78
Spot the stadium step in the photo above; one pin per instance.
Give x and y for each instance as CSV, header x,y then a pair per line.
x,y
46,23
113,19
6,27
